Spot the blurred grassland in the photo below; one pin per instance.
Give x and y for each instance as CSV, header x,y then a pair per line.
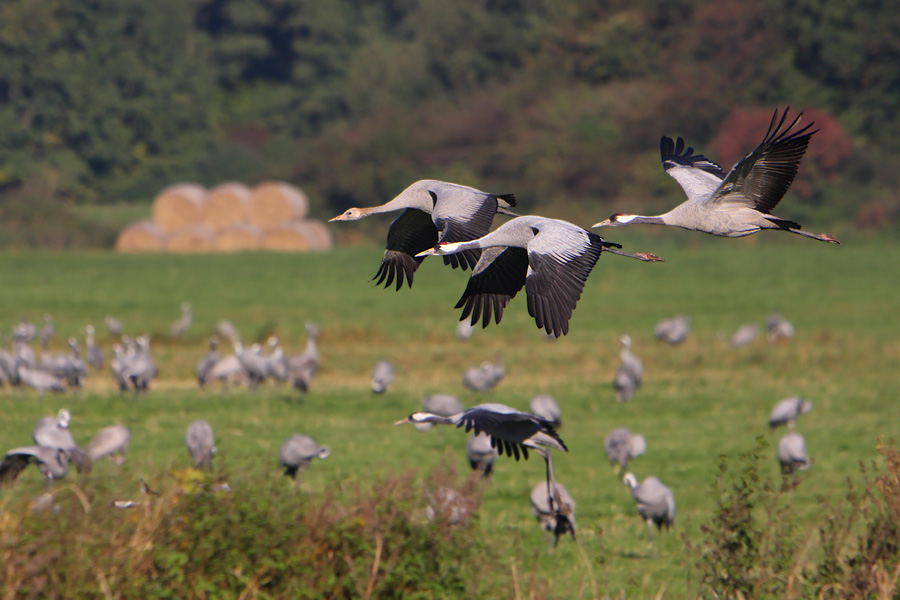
x,y
698,401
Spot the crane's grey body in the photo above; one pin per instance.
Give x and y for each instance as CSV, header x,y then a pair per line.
x,y
550,258
655,501
740,202
253,363
433,211
181,326
302,367
140,369
483,377
93,352
382,376
47,331
673,330
276,362
448,506
791,453
53,432
621,446
227,370
200,444
548,517
205,365
117,367
480,453
53,463
778,328
629,373
296,454
112,441
546,408
38,380
786,411
744,335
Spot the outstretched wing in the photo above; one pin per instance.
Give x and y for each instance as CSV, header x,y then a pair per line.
x,y
558,266
762,177
496,279
461,214
697,175
410,233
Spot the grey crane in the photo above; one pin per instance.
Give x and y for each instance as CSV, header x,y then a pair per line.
x,y
303,366
200,444
227,370
47,330
209,360
92,350
9,367
511,431
112,441
444,405
183,323
791,453
53,463
53,432
253,362
140,369
39,380
786,411
117,366
297,452
448,506
546,408
673,330
464,330
227,330
629,372
74,369
276,362
549,257
23,351
547,516
740,202
382,376
778,328
433,211
480,453
621,446
485,376
113,326
655,501
744,335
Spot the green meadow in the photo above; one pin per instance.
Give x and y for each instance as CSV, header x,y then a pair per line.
x,y
699,401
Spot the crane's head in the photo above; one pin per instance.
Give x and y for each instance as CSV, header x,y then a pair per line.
x,y
324,452
440,249
630,480
63,417
625,340
351,214
615,220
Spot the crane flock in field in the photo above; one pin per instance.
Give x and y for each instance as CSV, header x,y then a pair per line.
x,y
550,258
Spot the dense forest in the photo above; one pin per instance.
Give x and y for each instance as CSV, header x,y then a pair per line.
x,y
562,102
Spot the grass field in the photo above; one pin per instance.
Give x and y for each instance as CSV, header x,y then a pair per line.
x,y
700,400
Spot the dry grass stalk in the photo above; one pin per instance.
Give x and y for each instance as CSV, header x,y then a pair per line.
x,y
275,202
226,205
238,238
193,238
178,206
141,236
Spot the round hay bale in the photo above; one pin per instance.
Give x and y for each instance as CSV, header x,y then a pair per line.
x,y
238,238
141,236
289,237
193,238
274,203
317,234
226,205
178,206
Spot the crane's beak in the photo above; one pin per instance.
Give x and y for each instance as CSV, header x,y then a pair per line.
x,y
604,223
340,217
428,252
402,421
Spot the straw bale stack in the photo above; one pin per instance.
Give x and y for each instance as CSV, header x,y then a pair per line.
x,y
226,205
193,238
141,236
274,203
288,237
238,238
317,234
178,206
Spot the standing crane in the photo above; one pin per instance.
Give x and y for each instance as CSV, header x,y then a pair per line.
x,y
209,360
200,443
112,441
791,453
549,257
740,202
433,211
655,501
547,517
480,453
382,376
621,446
297,452
786,411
